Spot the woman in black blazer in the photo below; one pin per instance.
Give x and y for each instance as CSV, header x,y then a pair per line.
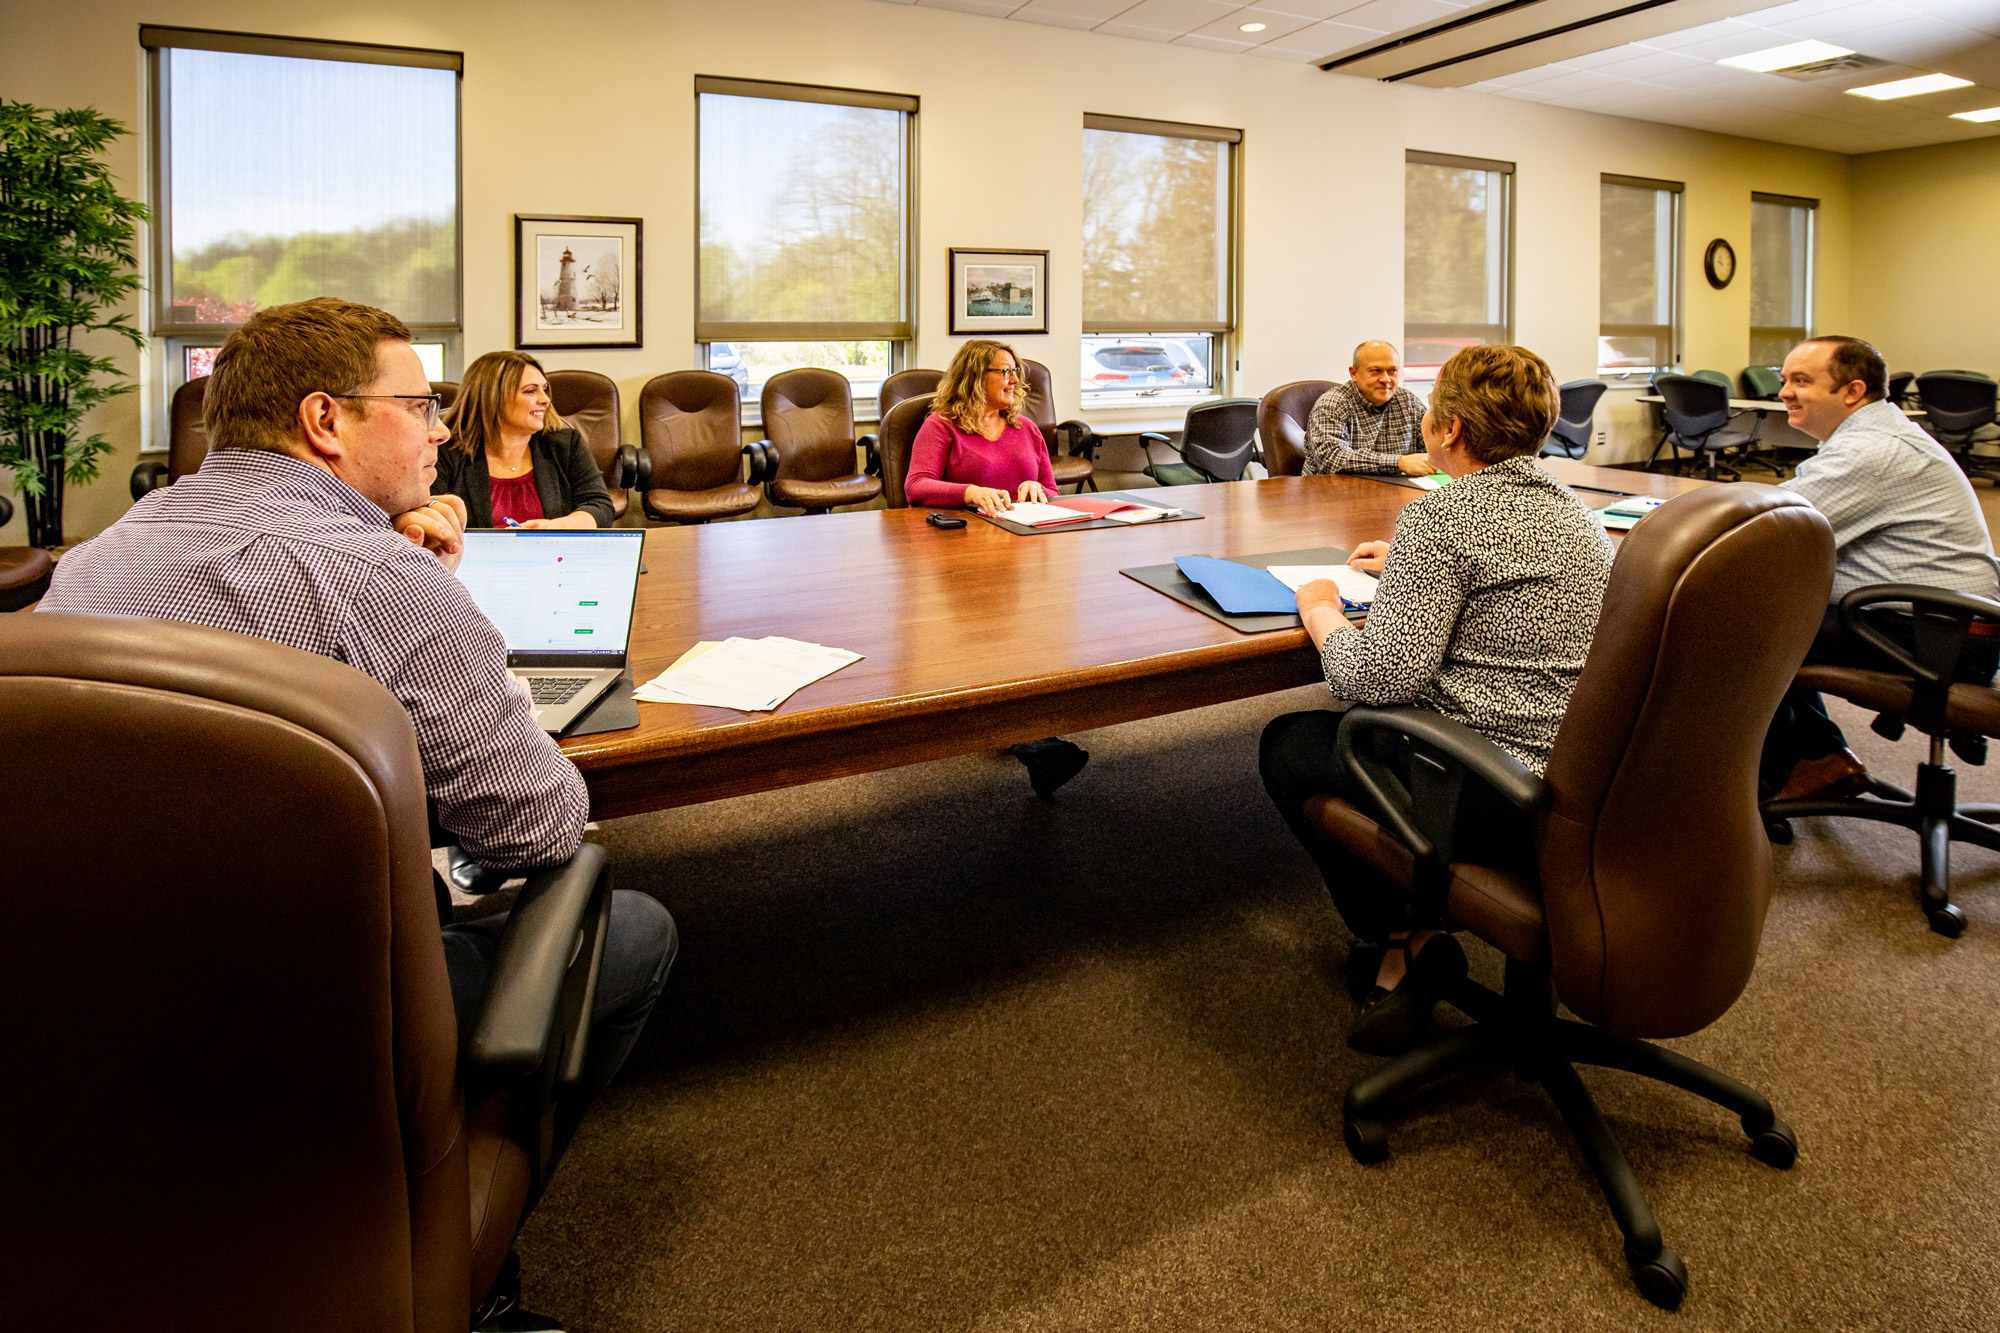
x,y
511,458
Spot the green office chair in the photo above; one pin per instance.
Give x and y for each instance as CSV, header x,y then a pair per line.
x,y
1762,382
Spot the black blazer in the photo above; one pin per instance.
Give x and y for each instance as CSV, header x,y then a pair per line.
x,y
566,479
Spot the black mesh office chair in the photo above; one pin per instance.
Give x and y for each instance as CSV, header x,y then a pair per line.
x,y
1218,441
1571,437
1697,418
1956,404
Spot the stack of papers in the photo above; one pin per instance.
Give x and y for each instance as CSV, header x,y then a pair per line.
x,y
1430,481
751,675
1621,515
1357,586
1083,508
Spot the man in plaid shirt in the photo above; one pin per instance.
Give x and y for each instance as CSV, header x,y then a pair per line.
x,y
311,523
1368,424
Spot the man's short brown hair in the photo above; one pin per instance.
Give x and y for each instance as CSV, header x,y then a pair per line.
x,y
1856,359
268,366
1504,398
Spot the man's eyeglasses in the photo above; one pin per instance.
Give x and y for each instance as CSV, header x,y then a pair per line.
x,y
1011,372
433,404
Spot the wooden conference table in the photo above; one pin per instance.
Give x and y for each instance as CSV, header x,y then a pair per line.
x,y
971,639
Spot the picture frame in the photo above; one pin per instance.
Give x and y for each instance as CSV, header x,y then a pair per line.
x,y
999,291
578,281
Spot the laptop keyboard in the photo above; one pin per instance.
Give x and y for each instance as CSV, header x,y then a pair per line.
x,y
549,690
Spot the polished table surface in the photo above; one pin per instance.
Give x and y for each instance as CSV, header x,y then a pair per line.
x,y
970,639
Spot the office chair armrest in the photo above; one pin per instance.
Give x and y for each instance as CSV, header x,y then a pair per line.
x,y
871,449
147,478
1942,621
1423,815
1083,441
640,478
544,978
763,456
626,462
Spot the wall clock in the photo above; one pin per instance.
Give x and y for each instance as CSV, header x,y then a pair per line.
x,y
1719,263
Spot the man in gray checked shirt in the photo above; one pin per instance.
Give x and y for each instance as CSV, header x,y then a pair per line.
x,y
1368,424
311,523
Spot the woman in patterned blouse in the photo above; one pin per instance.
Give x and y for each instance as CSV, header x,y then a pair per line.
x,y
1489,596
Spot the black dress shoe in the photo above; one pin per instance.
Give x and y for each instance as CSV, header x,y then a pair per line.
x,y
1396,1020
1051,762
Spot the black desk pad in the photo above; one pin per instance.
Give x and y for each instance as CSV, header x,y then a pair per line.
x,y
1023,530
1169,580
616,711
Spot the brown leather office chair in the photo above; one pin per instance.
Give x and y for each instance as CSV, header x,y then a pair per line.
x,y
24,570
904,384
240,1102
1281,425
588,404
1927,695
447,392
691,469
1646,905
899,434
809,421
1076,467
187,442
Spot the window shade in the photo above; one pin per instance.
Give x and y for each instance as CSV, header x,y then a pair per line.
x,y
1638,273
286,177
1157,228
1781,276
1457,235
804,220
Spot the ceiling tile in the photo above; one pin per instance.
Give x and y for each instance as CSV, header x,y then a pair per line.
x,y
1325,39
997,8
1978,15
1169,17
1396,15
1211,43
1072,12
1276,25
1639,63
1307,9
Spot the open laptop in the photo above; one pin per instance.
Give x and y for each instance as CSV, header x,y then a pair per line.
x,y
562,599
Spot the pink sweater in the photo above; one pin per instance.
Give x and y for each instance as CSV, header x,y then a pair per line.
x,y
944,460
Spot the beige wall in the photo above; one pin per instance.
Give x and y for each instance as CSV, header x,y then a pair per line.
x,y
610,130
1927,256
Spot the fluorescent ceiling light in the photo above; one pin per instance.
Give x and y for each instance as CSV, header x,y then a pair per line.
x,y
1923,83
1787,57
1250,27
1978,117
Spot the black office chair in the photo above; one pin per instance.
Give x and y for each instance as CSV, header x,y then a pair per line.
x,y
1956,404
1218,441
1926,694
1571,437
1903,389
1762,382
1697,418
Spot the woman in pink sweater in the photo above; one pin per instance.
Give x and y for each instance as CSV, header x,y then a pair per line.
x,y
975,450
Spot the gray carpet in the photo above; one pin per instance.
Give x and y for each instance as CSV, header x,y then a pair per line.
x,y
938,1055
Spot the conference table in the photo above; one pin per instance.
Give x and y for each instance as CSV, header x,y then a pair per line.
x,y
971,639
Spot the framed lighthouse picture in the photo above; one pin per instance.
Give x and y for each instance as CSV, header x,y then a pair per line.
x,y
576,281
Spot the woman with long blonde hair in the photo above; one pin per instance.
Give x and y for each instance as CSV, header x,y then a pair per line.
x,y
511,459
975,450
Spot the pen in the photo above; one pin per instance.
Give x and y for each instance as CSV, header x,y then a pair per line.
x,y
510,522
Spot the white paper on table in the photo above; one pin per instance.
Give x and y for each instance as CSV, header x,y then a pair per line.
x,y
1430,481
1356,585
1032,515
750,675
1143,513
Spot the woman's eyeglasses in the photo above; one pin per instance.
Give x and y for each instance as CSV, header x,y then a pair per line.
x,y
1011,372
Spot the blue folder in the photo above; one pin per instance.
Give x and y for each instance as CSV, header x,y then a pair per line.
x,y
1238,589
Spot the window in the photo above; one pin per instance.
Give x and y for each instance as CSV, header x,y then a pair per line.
x,y
1638,276
1781,275
1159,257
804,230
1458,236
287,169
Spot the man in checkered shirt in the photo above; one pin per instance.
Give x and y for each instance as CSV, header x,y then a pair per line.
x,y
1902,512
322,426
1368,424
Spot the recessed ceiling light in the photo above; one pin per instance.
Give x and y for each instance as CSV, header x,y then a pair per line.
x,y
1250,27
1786,57
1923,83
1978,117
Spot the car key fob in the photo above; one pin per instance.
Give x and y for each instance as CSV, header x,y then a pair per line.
x,y
945,521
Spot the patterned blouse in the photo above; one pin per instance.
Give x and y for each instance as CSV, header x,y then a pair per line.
x,y
1486,608
1347,433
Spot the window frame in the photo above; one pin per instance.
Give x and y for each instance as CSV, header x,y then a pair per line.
x,y
1676,280
1413,333
1224,331
1811,210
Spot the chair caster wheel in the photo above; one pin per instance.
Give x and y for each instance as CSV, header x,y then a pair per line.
x,y
1367,1141
1663,1279
1776,1146
1947,921
1779,831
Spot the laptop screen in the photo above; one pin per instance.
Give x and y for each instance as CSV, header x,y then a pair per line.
x,y
558,595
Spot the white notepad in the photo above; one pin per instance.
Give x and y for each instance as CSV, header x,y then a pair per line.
x,y
1356,585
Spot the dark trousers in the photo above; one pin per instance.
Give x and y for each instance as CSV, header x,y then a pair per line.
x,y
638,951
1295,757
1801,728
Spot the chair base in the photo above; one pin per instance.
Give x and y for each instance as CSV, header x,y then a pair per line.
x,y
1520,1029
501,1311
1933,813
